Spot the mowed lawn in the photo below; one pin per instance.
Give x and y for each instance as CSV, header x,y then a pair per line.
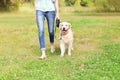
x,y
96,54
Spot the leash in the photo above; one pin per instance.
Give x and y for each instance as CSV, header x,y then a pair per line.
x,y
55,32
57,25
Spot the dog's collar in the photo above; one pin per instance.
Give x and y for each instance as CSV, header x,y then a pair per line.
x,y
60,38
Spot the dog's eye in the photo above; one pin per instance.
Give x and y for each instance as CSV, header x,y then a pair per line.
x,y
66,25
62,25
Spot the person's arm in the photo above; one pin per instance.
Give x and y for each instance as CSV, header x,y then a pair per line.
x,y
57,9
34,10
34,4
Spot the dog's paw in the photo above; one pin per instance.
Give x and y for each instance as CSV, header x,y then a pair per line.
x,y
69,54
42,57
61,55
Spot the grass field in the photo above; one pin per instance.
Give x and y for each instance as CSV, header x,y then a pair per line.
x,y
96,54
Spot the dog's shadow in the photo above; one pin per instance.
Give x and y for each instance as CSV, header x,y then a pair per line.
x,y
58,51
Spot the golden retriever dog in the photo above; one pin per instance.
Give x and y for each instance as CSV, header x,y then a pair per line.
x,y
66,38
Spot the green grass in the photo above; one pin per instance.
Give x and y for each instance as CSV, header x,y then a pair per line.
x,y
96,54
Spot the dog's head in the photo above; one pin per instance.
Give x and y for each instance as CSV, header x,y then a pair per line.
x,y
65,26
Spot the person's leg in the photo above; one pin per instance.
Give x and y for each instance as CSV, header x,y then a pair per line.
x,y
50,16
40,23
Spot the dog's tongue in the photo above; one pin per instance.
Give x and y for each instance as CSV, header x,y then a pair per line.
x,y
63,31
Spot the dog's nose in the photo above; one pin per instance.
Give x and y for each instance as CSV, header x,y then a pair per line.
x,y
63,28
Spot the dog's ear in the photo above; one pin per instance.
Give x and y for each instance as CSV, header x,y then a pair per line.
x,y
60,25
69,25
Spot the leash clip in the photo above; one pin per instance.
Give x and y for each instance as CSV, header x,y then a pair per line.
x,y
60,38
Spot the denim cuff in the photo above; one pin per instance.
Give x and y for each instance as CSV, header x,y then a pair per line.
x,y
43,49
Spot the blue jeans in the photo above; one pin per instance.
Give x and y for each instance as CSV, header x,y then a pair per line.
x,y
40,17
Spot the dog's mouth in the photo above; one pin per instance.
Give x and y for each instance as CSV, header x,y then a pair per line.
x,y
64,30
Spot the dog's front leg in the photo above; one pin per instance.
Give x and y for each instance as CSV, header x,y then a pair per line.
x,y
69,49
62,48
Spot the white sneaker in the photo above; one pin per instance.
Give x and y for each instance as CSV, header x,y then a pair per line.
x,y
42,57
52,48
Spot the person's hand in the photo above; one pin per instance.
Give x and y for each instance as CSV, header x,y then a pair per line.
x,y
57,22
57,17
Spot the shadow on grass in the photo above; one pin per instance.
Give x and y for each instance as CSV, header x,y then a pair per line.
x,y
36,50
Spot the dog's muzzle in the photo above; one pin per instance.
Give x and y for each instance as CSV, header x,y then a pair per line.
x,y
64,29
